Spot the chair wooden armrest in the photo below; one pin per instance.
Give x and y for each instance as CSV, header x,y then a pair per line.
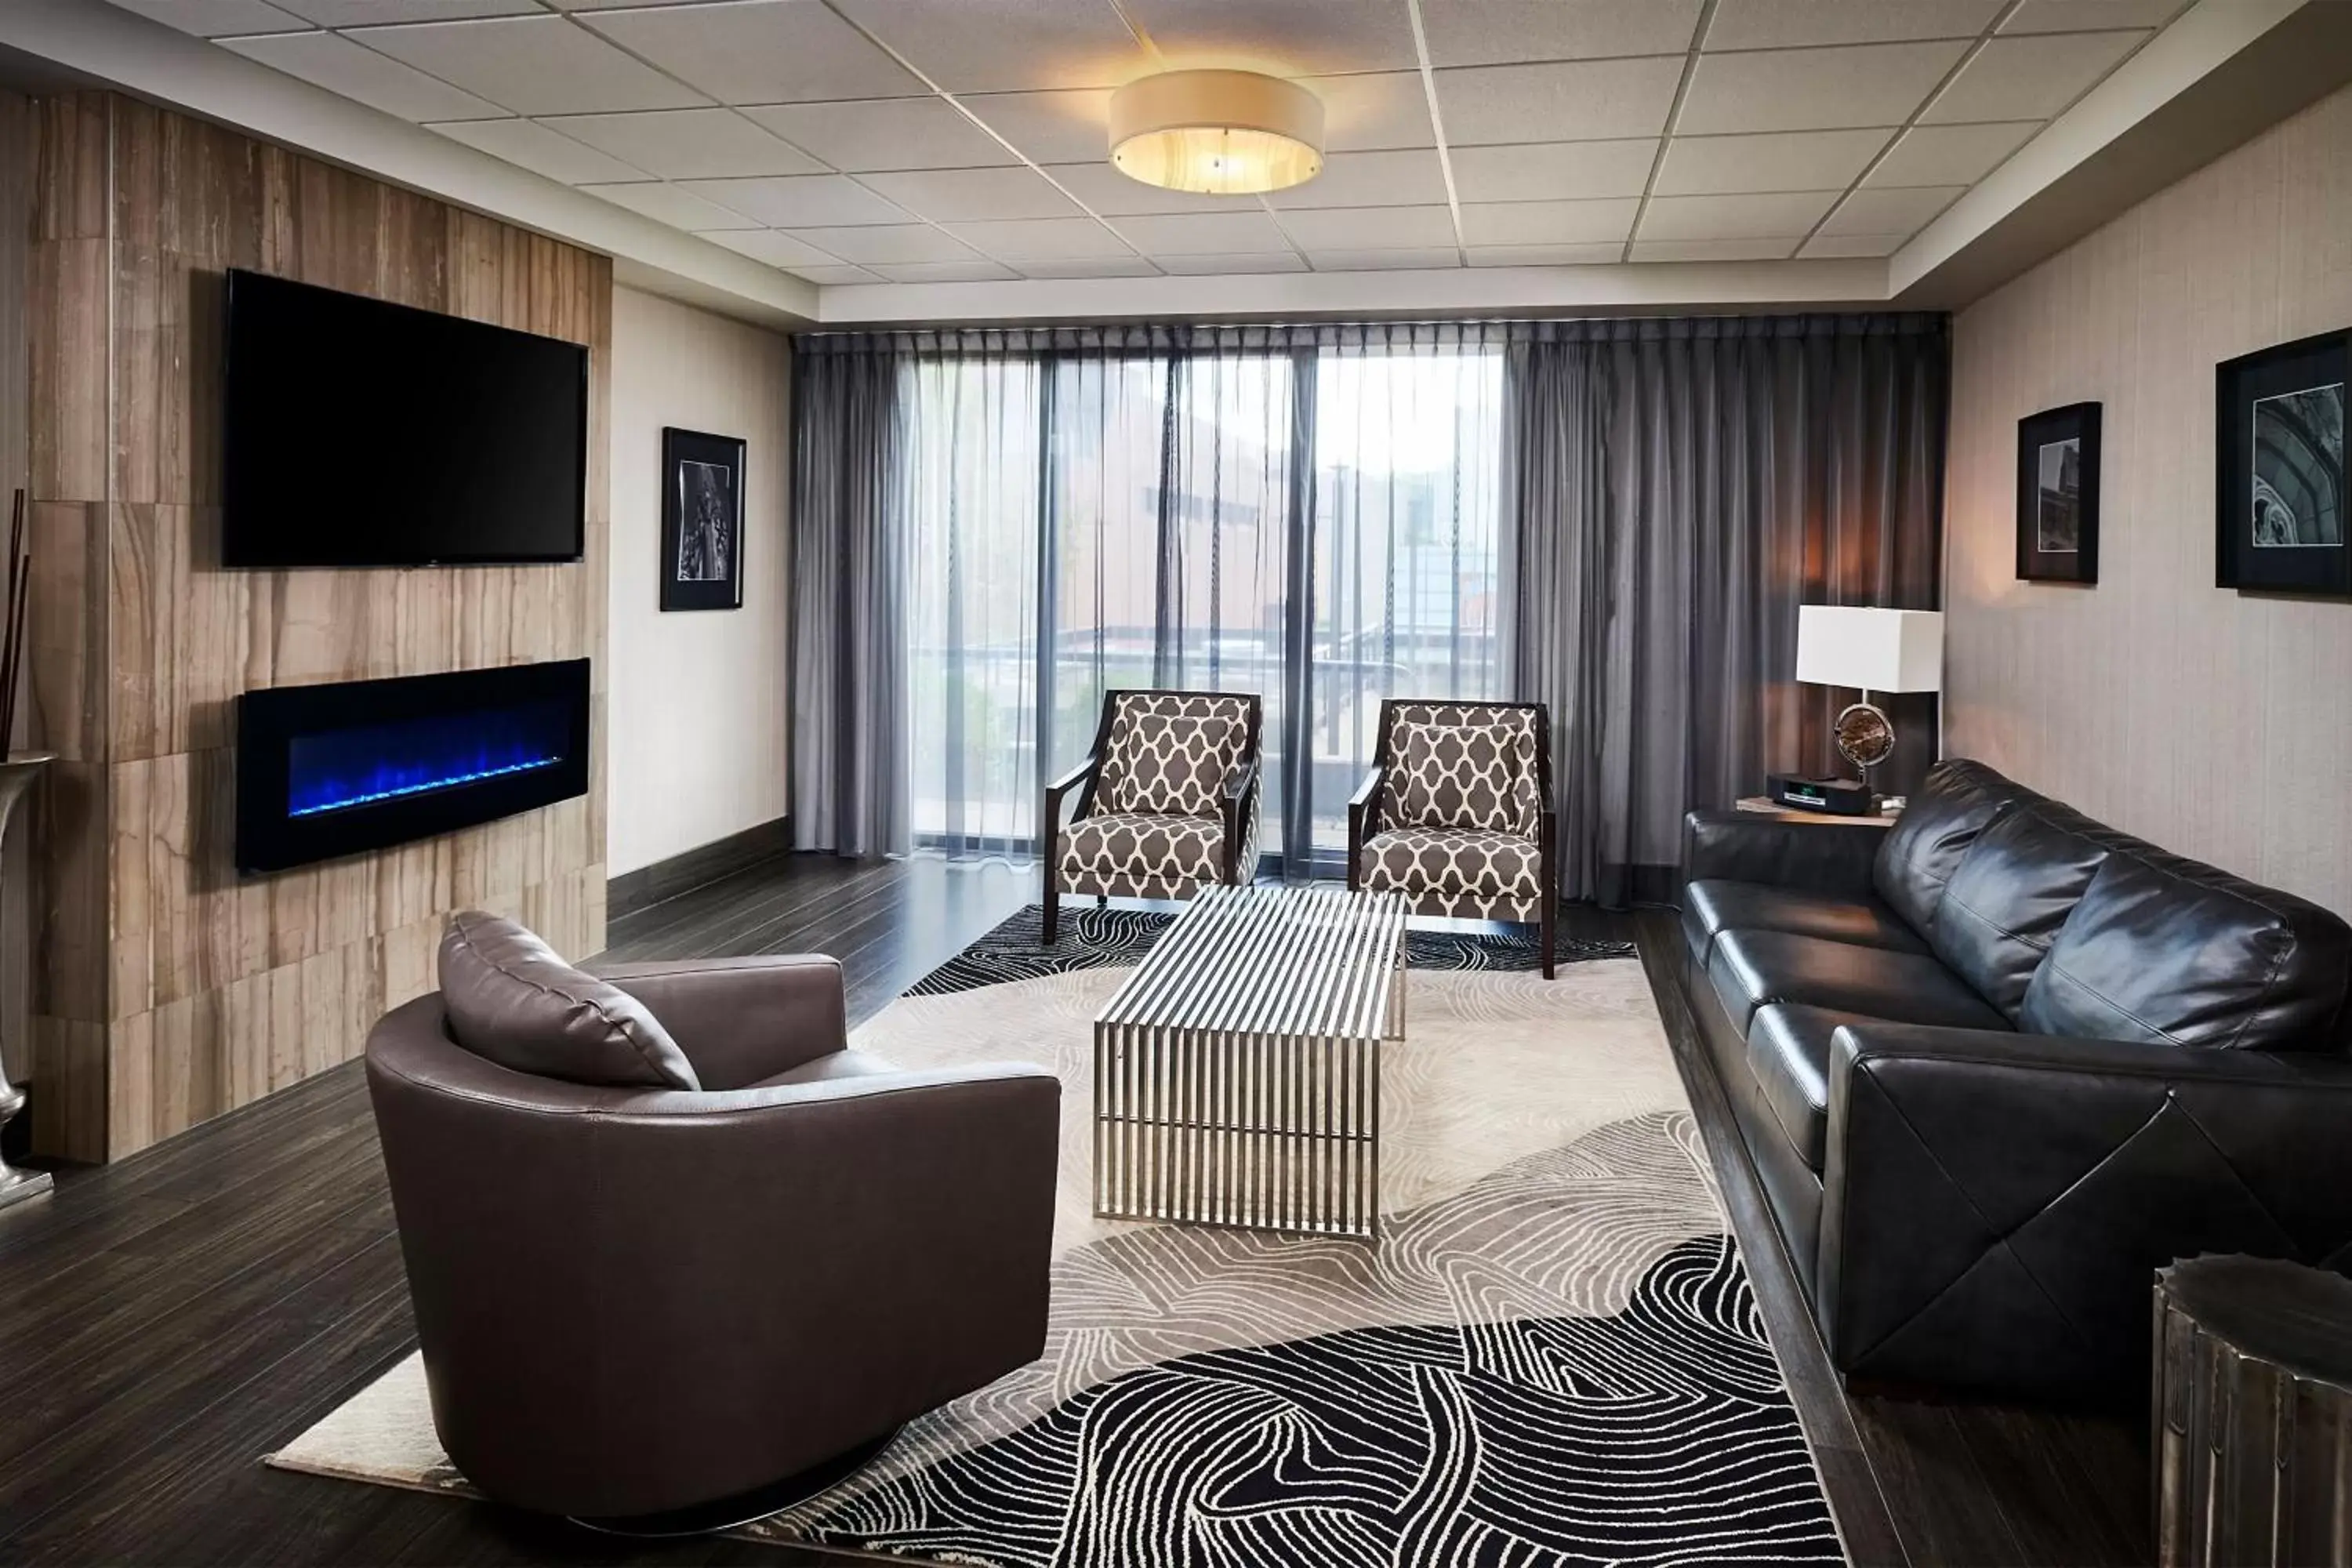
x,y
1363,820
1241,792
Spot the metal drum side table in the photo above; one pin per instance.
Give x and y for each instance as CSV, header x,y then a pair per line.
x,y
2252,1415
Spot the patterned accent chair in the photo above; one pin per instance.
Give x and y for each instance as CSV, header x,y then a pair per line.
x,y
1167,802
1457,813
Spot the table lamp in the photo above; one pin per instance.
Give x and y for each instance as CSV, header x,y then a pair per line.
x,y
1873,650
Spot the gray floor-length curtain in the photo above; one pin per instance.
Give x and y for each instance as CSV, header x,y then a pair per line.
x,y
1678,489
849,636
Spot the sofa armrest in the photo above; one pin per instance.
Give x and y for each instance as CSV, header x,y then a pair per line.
x,y
742,1019
1995,1205
1748,847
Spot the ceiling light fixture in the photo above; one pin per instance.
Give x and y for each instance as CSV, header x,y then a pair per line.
x,y
1219,133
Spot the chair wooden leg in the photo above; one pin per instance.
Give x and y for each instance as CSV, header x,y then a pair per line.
x,y
1052,902
1551,930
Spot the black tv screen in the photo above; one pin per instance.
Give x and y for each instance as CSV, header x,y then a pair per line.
x,y
365,433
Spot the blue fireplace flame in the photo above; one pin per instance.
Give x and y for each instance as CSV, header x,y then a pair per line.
x,y
366,764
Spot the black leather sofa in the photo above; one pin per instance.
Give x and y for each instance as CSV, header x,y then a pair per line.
x,y
1997,1063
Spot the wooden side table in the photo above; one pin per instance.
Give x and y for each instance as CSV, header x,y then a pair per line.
x,y
1764,806
2252,1412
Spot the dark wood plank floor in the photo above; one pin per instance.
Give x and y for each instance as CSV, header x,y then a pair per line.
x,y
165,1321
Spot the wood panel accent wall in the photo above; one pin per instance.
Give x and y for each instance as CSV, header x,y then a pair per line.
x,y
2216,724
170,989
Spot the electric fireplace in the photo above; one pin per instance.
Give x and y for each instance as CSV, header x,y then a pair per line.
x,y
324,771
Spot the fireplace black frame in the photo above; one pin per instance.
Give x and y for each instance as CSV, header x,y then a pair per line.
x,y
271,838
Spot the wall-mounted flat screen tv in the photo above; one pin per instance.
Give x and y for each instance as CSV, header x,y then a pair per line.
x,y
364,434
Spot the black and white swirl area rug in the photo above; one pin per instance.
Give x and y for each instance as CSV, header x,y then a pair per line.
x,y
1550,1357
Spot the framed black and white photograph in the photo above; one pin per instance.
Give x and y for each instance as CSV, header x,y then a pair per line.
x,y
2058,495
2280,496
702,522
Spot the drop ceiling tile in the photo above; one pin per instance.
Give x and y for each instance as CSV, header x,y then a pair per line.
x,y
1547,223
539,150
669,204
1091,266
970,194
1500,32
1369,228
617,4
1007,46
829,277
1790,214
973,271
370,13
1071,127
862,136
1773,160
1041,239
1296,37
1950,154
1545,254
1575,101
1905,209
897,243
340,65
758,51
533,65
1845,246
1795,24
1103,189
1401,179
775,249
1234,265
1557,170
688,143
1200,233
801,201
1384,260
1375,110
2090,16
2030,78
1813,90
1714,249
216,19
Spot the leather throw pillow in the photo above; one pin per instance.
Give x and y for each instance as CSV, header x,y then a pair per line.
x,y
512,1001
1170,763
1457,777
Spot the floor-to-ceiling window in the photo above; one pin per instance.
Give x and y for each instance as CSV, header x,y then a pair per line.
x,y
1310,515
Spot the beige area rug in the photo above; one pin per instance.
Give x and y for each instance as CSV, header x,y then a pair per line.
x,y
1550,1355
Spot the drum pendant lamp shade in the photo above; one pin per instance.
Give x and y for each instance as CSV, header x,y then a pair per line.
x,y
1216,132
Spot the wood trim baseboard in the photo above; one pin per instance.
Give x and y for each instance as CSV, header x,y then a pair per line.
x,y
689,869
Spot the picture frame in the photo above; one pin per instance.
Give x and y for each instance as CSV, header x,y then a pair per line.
x,y
2058,495
702,521
2280,495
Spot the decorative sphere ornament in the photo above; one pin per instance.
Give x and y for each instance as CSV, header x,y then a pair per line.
x,y
1864,738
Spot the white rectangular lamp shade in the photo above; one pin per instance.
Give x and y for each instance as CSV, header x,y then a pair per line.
x,y
1875,650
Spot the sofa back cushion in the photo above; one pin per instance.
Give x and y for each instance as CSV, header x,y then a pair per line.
x,y
2169,952
510,1000
2005,901
1919,855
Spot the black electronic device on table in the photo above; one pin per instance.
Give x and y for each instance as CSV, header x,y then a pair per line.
x,y
1838,797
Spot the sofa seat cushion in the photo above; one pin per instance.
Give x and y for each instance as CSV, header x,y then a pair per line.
x,y
830,1068
1789,1056
1713,906
1750,969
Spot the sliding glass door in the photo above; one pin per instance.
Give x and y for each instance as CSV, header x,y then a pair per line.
x,y
1316,521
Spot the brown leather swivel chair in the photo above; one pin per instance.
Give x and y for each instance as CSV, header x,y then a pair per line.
x,y
636,1300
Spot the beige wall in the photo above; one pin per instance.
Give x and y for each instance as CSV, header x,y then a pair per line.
x,y
700,705
2216,724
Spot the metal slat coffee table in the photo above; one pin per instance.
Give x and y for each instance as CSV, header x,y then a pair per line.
x,y
1237,1072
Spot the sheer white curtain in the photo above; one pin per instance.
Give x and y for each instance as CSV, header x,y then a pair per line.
x,y
1311,514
